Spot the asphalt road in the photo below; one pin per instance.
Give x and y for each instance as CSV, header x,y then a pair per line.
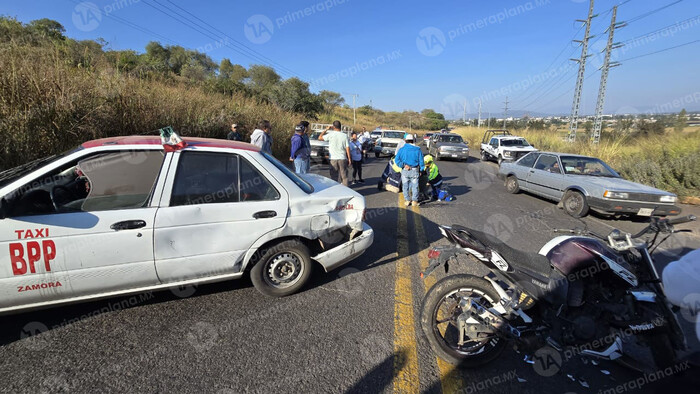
x,y
352,330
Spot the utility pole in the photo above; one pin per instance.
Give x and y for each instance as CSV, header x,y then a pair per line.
x,y
354,115
478,123
464,118
505,113
573,122
488,125
607,65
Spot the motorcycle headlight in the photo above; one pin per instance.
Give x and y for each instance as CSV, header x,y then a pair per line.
x,y
618,195
671,199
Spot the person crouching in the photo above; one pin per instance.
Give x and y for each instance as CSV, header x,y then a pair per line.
x,y
434,177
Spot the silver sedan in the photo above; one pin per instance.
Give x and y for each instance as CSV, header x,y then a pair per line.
x,y
581,183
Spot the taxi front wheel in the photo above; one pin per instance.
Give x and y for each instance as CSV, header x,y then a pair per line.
x,y
282,269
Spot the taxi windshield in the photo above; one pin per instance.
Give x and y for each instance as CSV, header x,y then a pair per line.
x,y
10,175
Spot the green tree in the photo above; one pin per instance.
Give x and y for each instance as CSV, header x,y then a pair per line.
x,y
262,79
681,121
331,100
293,95
47,28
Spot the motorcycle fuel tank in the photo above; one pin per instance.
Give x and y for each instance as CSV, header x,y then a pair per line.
x,y
581,257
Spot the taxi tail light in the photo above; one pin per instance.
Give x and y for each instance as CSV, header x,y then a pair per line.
x,y
433,254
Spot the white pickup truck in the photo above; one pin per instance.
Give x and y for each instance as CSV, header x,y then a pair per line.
x,y
500,145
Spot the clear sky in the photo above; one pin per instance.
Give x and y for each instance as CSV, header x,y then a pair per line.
x,y
419,54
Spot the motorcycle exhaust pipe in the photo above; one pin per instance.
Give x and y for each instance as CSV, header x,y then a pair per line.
x,y
486,317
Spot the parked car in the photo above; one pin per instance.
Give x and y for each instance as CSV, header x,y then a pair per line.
x,y
129,214
580,183
319,149
374,134
500,145
426,138
388,142
448,146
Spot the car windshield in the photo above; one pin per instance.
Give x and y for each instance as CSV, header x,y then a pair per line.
x,y
10,175
515,142
393,134
455,139
376,133
303,185
576,165
314,135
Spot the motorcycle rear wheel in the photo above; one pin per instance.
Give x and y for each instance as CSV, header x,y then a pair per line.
x,y
442,335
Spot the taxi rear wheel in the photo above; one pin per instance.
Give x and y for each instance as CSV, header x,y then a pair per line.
x,y
282,269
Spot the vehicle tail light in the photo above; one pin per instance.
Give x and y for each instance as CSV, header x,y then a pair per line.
x,y
433,254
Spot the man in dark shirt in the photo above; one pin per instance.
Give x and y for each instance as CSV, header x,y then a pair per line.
x,y
234,135
301,149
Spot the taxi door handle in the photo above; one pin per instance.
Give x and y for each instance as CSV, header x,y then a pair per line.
x,y
128,225
264,214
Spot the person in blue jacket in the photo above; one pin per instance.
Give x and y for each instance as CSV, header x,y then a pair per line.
x,y
301,149
410,159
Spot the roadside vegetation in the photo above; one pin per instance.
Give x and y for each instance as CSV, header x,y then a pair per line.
x,y
668,159
57,92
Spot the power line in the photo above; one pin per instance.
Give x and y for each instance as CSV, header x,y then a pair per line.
x,y
205,32
659,51
660,30
123,21
565,92
533,91
642,16
238,43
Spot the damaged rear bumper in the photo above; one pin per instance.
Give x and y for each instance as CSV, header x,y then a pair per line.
x,y
343,253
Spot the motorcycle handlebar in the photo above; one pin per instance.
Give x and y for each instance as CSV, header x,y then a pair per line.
x,y
681,220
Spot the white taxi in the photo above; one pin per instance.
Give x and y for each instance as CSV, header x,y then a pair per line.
x,y
133,214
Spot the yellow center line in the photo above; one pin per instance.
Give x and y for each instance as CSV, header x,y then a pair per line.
x,y
406,378
450,378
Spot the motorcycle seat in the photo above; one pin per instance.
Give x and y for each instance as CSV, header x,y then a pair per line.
x,y
532,262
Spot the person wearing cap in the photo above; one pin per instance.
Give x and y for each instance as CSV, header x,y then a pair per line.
x,y
434,177
301,150
234,135
356,154
410,159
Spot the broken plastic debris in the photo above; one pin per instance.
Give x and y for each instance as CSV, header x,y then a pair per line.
x,y
605,372
521,380
571,377
528,359
594,362
583,383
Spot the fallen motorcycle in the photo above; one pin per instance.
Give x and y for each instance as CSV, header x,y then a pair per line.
x,y
582,291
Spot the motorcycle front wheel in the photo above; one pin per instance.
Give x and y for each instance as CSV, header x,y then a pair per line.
x,y
439,321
